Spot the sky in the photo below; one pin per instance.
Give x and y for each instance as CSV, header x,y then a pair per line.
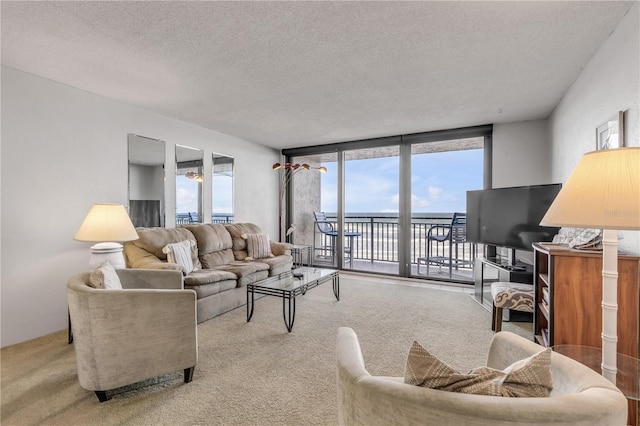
x,y
439,182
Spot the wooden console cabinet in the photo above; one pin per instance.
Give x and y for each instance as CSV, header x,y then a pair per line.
x,y
568,300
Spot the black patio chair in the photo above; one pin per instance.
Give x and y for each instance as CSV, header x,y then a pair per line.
x,y
452,234
327,228
194,217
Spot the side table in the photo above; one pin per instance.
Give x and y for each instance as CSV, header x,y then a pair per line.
x,y
301,255
627,378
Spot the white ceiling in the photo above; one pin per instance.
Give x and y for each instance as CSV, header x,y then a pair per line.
x,y
288,74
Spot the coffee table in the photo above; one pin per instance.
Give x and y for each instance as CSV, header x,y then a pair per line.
x,y
288,286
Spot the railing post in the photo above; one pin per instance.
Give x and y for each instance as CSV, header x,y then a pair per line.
x,y
371,237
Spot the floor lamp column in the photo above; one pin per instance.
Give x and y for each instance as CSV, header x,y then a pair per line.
x,y
609,303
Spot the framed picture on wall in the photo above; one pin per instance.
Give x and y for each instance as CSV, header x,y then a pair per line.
x,y
610,134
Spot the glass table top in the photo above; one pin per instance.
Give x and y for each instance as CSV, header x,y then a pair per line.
x,y
296,278
628,376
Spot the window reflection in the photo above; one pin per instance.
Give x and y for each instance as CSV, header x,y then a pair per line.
x,y
222,189
146,181
189,179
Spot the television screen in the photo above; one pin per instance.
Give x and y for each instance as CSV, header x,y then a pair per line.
x,y
510,217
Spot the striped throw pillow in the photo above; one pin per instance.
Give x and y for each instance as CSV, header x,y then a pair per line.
x,y
180,253
105,277
530,377
258,246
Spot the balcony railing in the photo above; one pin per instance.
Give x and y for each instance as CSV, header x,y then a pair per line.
x,y
379,237
193,217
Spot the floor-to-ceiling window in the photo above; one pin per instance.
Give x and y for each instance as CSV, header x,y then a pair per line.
x,y
441,174
371,206
380,198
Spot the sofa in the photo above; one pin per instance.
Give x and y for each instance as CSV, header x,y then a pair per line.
x,y
580,396
220,258
145,329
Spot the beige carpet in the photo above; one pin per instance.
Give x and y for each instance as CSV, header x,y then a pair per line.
x,y
256,373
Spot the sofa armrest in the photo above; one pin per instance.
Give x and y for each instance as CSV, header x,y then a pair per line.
x,y
150,279
279,249
376,400
141,259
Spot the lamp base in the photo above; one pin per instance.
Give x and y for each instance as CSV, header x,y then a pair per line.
x,y
103,252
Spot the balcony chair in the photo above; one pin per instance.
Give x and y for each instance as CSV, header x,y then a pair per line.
x,y
326,228
454,233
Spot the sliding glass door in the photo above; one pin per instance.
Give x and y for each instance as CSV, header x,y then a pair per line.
x,y
371,207
441,174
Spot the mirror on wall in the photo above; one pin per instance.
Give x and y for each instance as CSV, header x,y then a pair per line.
x,y
189,179
222,189
146,181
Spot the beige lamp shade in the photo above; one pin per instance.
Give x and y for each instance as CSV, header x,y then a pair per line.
x,y
106,222
603,191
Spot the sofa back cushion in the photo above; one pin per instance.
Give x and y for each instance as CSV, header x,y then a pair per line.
x,y
153,240
214,244
236,230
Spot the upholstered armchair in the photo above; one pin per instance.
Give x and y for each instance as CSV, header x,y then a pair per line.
x,y
580,396
128,335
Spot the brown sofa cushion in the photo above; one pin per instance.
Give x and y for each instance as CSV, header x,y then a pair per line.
x,y
211,260
207,276
278,264
211,237
247,272
214,244
206,290
152,240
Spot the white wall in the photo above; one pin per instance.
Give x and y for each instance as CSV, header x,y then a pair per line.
x,y
521,154
609,83
64,149
521,157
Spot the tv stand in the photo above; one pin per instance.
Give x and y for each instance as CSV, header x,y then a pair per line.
x,y
489,270
497,255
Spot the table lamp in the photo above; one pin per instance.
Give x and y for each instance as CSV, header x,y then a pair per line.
x,y
603,191
105,224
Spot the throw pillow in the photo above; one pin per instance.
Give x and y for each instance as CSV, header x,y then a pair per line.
x,y
105,277
530,377
180,254
258,246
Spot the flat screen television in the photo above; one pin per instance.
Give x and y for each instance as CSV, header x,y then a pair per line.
x,y
510,217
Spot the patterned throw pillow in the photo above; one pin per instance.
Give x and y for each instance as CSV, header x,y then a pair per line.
x,y
180,253
530,377
258,246
105,277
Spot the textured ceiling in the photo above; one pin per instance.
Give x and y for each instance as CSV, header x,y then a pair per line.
x,y
288,74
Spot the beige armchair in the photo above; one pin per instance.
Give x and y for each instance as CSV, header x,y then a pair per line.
x,y
125,336
580,396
